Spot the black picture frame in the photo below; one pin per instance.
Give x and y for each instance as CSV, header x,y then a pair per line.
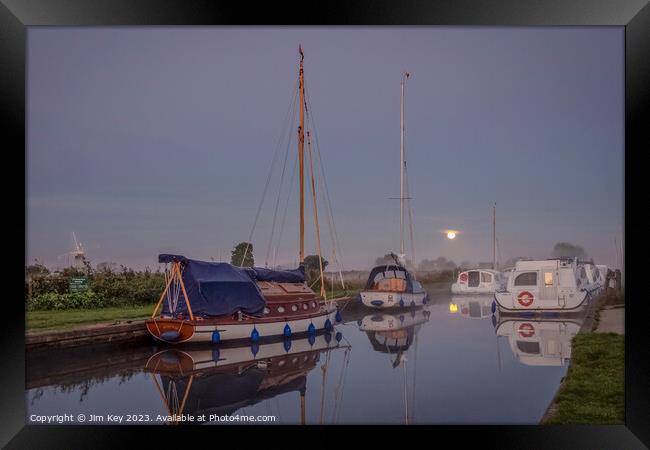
x,y
633,15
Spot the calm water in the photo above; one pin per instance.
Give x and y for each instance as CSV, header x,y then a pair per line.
x,y
451,363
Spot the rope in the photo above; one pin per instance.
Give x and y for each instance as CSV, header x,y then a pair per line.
x,y
323,292
268,180
328,203
408,205
286,209
284,166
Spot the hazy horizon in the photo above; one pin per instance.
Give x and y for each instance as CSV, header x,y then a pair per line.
x,y
156,140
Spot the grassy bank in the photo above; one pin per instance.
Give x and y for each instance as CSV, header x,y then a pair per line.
x,y
41,321
593,389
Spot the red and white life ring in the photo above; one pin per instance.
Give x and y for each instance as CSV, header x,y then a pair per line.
x,y
526,330
525,298
463,277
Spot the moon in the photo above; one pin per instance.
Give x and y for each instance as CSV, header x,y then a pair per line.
x,y
451,234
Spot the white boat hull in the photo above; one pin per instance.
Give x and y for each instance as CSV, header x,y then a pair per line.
x,y
528,300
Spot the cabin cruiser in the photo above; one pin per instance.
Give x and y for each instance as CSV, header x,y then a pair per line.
x,y
479,281
540,342
559,285
472,306
392,285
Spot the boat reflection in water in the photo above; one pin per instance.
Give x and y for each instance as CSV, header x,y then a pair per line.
x,y
218,381
540,342
394,334
472,306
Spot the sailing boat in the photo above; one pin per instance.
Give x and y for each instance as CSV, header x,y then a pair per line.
x,y
392,285
215,302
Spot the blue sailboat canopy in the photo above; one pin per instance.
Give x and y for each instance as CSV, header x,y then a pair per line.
x,y
216,289
383,269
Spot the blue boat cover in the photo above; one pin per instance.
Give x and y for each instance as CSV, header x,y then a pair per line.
x,y
390,268
216,289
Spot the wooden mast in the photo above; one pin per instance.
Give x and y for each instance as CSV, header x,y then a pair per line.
x,y
301,155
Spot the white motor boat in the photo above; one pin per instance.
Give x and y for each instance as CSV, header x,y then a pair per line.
x,y
479,281
546,285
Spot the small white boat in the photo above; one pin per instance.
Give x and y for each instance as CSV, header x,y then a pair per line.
x,y
546,285
540,342
479,281
392,285
472,306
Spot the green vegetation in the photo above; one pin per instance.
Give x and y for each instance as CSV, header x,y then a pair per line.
x,y
106,288
593,389
242,255
568,250
41,321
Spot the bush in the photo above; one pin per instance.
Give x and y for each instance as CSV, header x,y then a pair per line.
x,y
106,288
74,300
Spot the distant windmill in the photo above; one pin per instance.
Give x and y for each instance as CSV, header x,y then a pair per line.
x,y
78,254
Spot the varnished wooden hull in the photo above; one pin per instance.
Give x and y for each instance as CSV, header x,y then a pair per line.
x,y
177,331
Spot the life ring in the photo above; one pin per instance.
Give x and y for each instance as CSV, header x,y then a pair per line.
x,y
463,277
525,298
526,330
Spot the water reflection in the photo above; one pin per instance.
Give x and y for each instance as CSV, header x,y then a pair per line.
x,y
408,366
544,342
393,333
472,306
219,382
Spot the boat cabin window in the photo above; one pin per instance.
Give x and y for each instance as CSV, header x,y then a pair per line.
x,y
548,279
526,279
486,277
583,272
532,348
473,278
389,274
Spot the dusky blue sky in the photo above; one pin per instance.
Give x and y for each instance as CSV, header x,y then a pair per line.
x,y
149,140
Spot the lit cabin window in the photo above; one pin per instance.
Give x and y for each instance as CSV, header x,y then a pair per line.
x,y
305,306
526,279
267,310
486,277
280,309
313,304
294,308
548,279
